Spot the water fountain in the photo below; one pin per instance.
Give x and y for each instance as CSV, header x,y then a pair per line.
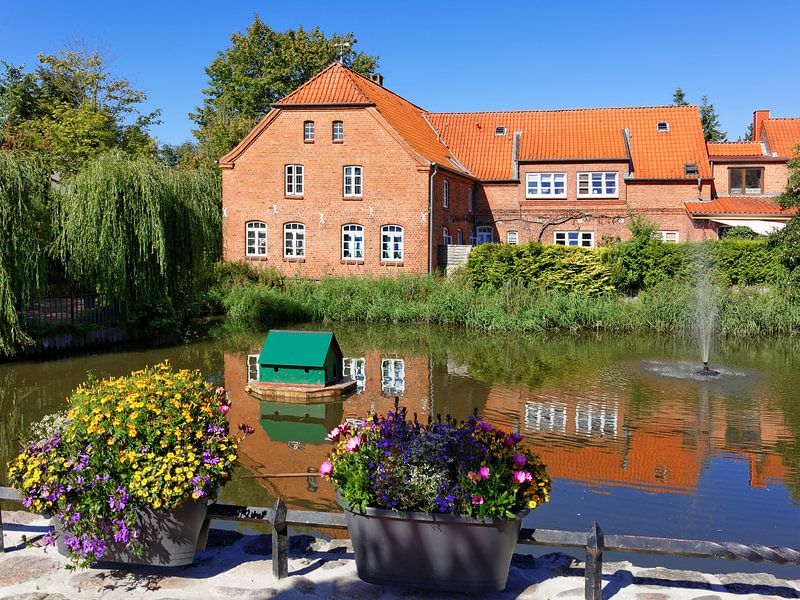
x,y
705,307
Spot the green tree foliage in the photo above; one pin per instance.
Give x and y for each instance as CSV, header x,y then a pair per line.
x,y
748,136
71,108
24,189
258,68
144,235
679,97
740,232
787,240
710,121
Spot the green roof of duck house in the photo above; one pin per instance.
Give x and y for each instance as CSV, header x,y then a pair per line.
x,y
304,358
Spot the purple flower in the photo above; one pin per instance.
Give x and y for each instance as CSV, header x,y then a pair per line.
x,y
512,440
484,472
119,500
208,459
521,477
519,461
49,539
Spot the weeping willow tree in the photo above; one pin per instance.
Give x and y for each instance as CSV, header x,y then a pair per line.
x,y
143,235
24,191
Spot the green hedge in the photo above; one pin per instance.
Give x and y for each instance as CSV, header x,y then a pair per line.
x,y
638,264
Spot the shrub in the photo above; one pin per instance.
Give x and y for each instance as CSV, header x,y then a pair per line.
x,y
740,232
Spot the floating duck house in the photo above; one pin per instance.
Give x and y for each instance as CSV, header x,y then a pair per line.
x,y
310,359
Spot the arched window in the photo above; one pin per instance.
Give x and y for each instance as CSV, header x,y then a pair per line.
x,y
352,242
391,243
459,237
446,236
294,240
256,238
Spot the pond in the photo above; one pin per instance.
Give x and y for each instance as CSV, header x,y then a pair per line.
x,y
633,438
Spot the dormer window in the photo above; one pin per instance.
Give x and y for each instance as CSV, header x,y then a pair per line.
x,y
499,130
662,126
690,169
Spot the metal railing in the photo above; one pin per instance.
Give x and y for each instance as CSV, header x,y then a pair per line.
x,y
594,541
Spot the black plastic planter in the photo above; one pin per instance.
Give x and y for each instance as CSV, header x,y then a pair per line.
x,y
432,551
169,538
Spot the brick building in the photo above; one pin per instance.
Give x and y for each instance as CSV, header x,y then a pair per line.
x,y
343,176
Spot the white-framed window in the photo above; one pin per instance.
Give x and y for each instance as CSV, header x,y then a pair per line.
x,y
308,131
585,239
598,184
446,194
352,242
391,243
393,376
446,239
546,185
294,180
668,237
338,131
352,181
459,236
471,203
547,416
596,418
485,235
252,367
294,240
256,238
355,369
512,237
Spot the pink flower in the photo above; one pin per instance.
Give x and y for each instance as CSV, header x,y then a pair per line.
x,y
519,461
484,472
521,477
353,444
325,468
220,391
224,408
477,499
337,432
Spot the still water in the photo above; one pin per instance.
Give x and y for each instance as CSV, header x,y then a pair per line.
x,y
632,437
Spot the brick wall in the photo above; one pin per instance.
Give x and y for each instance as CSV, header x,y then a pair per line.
x,y
395,191
776,174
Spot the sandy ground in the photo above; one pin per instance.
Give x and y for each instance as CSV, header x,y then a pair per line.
x,y
238,566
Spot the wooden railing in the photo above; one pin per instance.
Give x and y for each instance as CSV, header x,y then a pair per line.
x,y
594,542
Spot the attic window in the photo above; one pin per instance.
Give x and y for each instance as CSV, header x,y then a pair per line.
x,y
662,126
690,169
500,130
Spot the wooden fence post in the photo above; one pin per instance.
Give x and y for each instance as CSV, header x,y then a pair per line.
x,y
2,544
594,563
280,541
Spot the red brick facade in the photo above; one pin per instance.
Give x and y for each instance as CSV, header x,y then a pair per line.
x,y
407,158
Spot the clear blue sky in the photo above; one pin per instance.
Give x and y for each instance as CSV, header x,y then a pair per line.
x,y
463,56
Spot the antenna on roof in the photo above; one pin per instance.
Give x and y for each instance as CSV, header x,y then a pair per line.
x,y
342,46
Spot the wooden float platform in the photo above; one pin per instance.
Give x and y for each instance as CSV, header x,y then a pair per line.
x,y
301,394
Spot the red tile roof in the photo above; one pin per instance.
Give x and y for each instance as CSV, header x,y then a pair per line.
x,y
740,205
783,135
735,149
339,85
583,134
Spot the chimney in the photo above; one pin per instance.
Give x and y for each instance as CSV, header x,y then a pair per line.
x,y
378,79
759,116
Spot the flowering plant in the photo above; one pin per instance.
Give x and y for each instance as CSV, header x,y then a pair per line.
x,y
152,439
470,468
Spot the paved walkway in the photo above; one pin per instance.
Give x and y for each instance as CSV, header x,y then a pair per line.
x,y
238,566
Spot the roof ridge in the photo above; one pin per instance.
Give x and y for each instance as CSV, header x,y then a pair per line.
x,y
371,83
331,66
555,110
735,142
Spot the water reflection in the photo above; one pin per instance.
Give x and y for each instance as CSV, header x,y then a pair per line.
x,y
629,441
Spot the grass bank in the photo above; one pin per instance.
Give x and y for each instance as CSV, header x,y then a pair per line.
x,y
668,307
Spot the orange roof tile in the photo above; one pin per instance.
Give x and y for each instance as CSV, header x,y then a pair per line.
x,y
783,135
735,149
339,85
763,206
595,133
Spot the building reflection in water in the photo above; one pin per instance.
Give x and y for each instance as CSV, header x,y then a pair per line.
x,y
590,433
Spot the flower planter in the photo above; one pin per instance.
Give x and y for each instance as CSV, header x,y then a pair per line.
x,y
432,551
168,537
